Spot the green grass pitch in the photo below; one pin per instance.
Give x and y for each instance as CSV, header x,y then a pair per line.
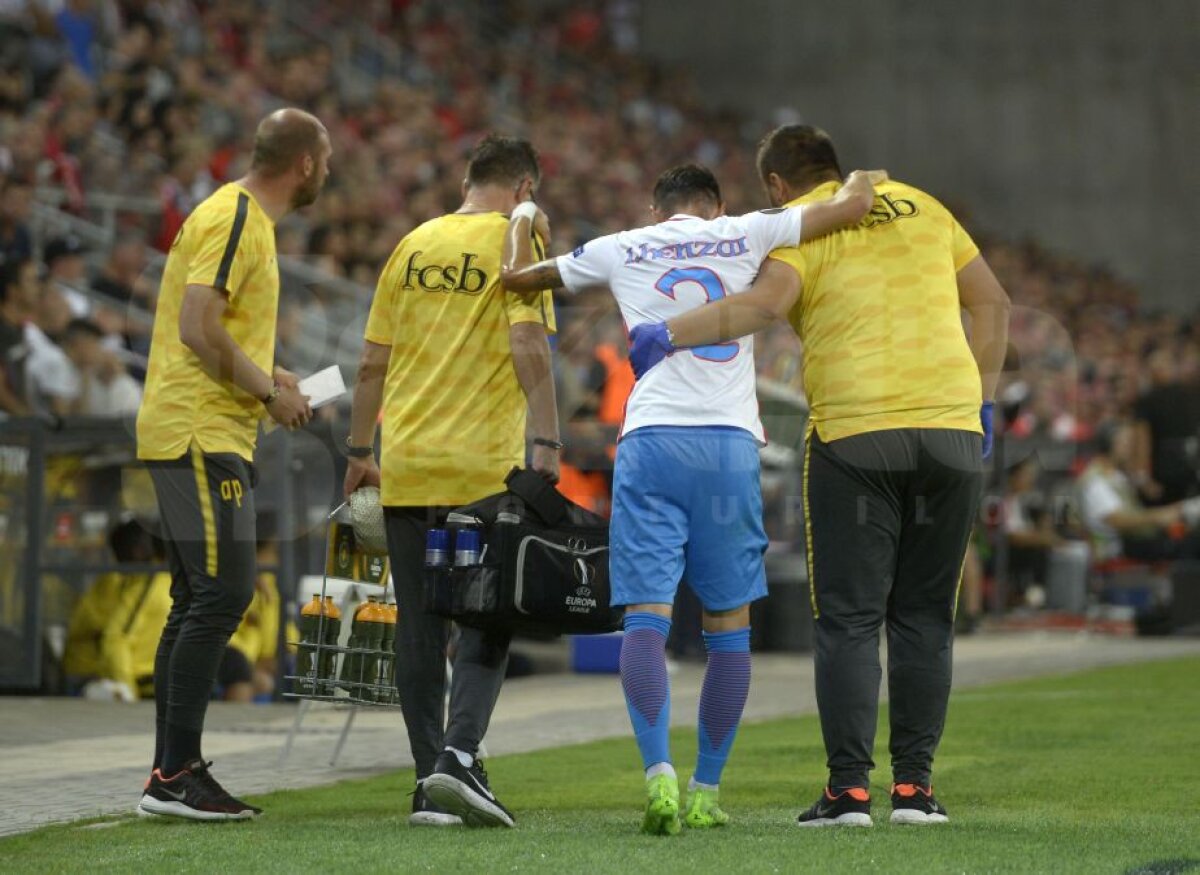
x,y
1095,772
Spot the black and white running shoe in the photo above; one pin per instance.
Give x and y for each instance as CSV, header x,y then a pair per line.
x,y
425,813
465,792
193,794
145,787
849,808
912,803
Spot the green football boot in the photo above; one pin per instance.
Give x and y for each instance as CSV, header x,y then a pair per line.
x,y
662,806
703,812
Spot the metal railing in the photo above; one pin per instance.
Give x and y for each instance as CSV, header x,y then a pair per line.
x,y
363,57
332,336
55,528
103,233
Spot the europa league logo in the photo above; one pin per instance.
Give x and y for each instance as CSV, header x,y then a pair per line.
x,y
584,573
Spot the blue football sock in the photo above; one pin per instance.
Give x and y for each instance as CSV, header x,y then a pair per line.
x,y
644,679
722,700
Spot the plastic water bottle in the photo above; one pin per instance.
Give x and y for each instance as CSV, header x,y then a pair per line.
x,y
310,638
387,661
327,664
437,548
467,543
356,665
370,621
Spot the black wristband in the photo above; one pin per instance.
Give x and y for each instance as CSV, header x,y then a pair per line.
x,y
270,396
358,452
548,442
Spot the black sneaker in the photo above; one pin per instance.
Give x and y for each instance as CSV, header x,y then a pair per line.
x,y
849,808
912,803
194,794
465,792
425,813
145,788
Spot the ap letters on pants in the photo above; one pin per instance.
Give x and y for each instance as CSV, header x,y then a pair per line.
x,y
231,490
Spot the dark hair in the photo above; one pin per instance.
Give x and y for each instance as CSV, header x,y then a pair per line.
x,y
77,328
130,542
800,154
266,528
1105,438
10,275
502,160
10,182
318,237
282,137
685,184
1022,464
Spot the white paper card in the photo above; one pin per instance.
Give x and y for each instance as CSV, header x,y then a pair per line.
x,y
323,386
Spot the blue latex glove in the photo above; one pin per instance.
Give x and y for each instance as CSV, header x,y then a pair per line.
x,y
985,419
648,345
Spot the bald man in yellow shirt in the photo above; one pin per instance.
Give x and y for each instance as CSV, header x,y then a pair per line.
x,y
901,403
211,379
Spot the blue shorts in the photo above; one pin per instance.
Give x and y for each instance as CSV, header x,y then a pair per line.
x,y
687,504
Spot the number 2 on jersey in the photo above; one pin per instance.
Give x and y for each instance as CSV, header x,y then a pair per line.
x,y
714,290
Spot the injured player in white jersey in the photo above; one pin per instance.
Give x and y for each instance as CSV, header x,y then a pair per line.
x,y
687,503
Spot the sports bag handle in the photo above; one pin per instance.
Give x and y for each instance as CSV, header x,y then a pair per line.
x,y
546,501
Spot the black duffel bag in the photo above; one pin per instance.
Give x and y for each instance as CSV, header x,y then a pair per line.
x,y
543,567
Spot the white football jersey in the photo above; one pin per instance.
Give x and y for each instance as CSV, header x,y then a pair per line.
x,y
661,271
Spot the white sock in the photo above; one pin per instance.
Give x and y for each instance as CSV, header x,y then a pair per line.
x,y
464,759
660,769
693,785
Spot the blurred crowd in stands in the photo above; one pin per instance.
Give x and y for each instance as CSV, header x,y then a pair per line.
x,y
158,99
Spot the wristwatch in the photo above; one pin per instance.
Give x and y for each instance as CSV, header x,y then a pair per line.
x,y
270,397
358,452
548,442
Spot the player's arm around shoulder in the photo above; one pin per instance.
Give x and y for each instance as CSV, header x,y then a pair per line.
x,y
771,298
520,269
848,206
773,294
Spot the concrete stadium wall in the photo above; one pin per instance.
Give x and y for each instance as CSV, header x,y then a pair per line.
x,y
1075,122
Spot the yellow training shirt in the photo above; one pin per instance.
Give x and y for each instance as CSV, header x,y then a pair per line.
x,y
227,243
880,321
115,627
454,413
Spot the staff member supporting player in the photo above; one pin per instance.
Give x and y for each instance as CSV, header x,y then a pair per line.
x,y
892,461
689,446
453,361
209,382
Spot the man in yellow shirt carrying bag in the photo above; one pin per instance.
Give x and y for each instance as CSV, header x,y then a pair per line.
x,y
453,361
